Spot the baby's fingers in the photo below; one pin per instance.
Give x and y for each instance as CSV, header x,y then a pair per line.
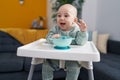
x,y
56,36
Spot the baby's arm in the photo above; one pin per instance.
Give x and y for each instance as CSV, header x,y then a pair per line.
x,y
53,33
82,35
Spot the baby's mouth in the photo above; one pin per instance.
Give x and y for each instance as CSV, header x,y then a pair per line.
x,y
62,24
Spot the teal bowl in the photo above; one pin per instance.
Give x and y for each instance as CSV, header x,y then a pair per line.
x,y
63,41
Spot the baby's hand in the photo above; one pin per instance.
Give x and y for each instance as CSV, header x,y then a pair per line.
x,y
56,36
82,25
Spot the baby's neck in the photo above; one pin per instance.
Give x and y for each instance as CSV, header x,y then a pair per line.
x,y
68,28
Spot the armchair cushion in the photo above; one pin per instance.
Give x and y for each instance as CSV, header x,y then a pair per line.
x,y
114,47
9,62
102,43
8,43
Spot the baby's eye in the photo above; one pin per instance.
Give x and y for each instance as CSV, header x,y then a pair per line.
x,y
66,15
58,15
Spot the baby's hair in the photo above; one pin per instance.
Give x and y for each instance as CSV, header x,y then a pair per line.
x,y
72,8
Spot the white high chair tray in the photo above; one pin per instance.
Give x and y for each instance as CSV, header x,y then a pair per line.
x,y
41,49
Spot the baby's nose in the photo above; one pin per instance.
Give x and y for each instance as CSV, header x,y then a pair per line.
x,y
62,17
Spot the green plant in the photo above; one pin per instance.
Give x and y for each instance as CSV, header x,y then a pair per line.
x,y
77,3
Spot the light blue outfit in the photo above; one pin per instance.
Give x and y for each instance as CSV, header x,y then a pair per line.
x,y
72,67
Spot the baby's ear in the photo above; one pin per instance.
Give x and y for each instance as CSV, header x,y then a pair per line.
x,y
76,20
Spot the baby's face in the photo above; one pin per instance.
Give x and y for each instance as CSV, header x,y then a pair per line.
x,y
65,18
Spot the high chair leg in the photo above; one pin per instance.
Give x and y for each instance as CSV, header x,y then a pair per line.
x,y
31,72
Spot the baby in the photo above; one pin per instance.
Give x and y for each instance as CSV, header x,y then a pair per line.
x,y
67,25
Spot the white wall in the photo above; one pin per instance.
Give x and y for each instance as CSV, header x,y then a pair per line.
x,y
108,18
89,13
103,16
